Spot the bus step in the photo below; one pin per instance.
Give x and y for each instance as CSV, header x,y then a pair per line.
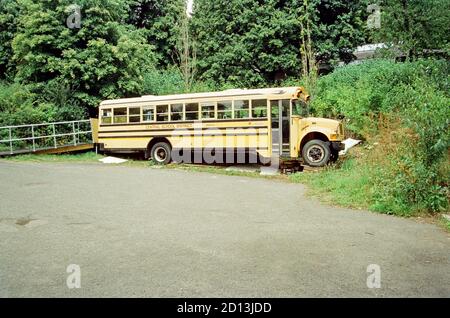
x,y
288,166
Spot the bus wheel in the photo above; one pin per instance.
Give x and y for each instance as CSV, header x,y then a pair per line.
x,y
161,153
316,153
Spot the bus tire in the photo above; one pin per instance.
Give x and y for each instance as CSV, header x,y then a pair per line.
x,y
161,153
316,153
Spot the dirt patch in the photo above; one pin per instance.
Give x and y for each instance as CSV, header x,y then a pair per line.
x,y
24,221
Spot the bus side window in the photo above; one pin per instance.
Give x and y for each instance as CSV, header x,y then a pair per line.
x,y
148,114
225,110
241,109
162,113
134,114
192,111
107,116
120,115
259,108
176,112
208,110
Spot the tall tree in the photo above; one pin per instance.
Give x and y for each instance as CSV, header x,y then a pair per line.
x,y
101,58
415,26
307,50
9,13
338,26
160,20
255,42
186,49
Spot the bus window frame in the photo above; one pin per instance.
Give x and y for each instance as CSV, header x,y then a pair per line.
x,y
183,114
134,116
114,115
248,109
152,107
260,107
192,112
167,113
208,104
110,115
231,110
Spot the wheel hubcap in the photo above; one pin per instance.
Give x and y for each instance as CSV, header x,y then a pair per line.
x,y
160,154
316,154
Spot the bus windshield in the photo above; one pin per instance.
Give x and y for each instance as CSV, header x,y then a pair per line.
x,y
300,108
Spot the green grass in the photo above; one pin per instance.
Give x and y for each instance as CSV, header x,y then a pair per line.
x,y
78,157
445,223
4,147
347,185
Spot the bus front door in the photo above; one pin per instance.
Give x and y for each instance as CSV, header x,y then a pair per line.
x,y
280,121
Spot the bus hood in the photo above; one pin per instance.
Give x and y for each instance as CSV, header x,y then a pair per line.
x,y
324,122
334,129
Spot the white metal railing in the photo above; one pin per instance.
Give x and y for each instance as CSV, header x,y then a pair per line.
x,y
75,134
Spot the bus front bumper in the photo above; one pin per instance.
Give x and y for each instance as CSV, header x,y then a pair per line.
x,y
337,146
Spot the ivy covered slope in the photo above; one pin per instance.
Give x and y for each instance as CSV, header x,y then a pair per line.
x,y
401,111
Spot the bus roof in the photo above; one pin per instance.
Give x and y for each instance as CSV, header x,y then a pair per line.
x,y
279,92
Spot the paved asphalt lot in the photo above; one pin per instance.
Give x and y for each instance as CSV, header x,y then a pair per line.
x,y
166,233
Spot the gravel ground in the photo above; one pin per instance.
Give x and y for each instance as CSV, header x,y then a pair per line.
x,y
166,233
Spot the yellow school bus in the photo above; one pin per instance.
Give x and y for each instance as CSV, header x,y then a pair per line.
x,y
270,123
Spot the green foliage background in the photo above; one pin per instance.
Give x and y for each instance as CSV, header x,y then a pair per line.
x,y
126,48
404,109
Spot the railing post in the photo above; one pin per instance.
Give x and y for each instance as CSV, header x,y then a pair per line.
x,y
10,140
32,137
54,135
91,131
78,132
74,134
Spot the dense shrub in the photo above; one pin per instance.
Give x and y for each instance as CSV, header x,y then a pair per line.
x,y
361,92
170,81
405,108
32,104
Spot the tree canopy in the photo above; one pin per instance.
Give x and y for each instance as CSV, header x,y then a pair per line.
x,y
415,26
125,48
251,42
104,58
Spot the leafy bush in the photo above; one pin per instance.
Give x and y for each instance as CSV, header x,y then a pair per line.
x,y
32,104
361,92
170,81
165,82
17,105
404,107
104,58
413,178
